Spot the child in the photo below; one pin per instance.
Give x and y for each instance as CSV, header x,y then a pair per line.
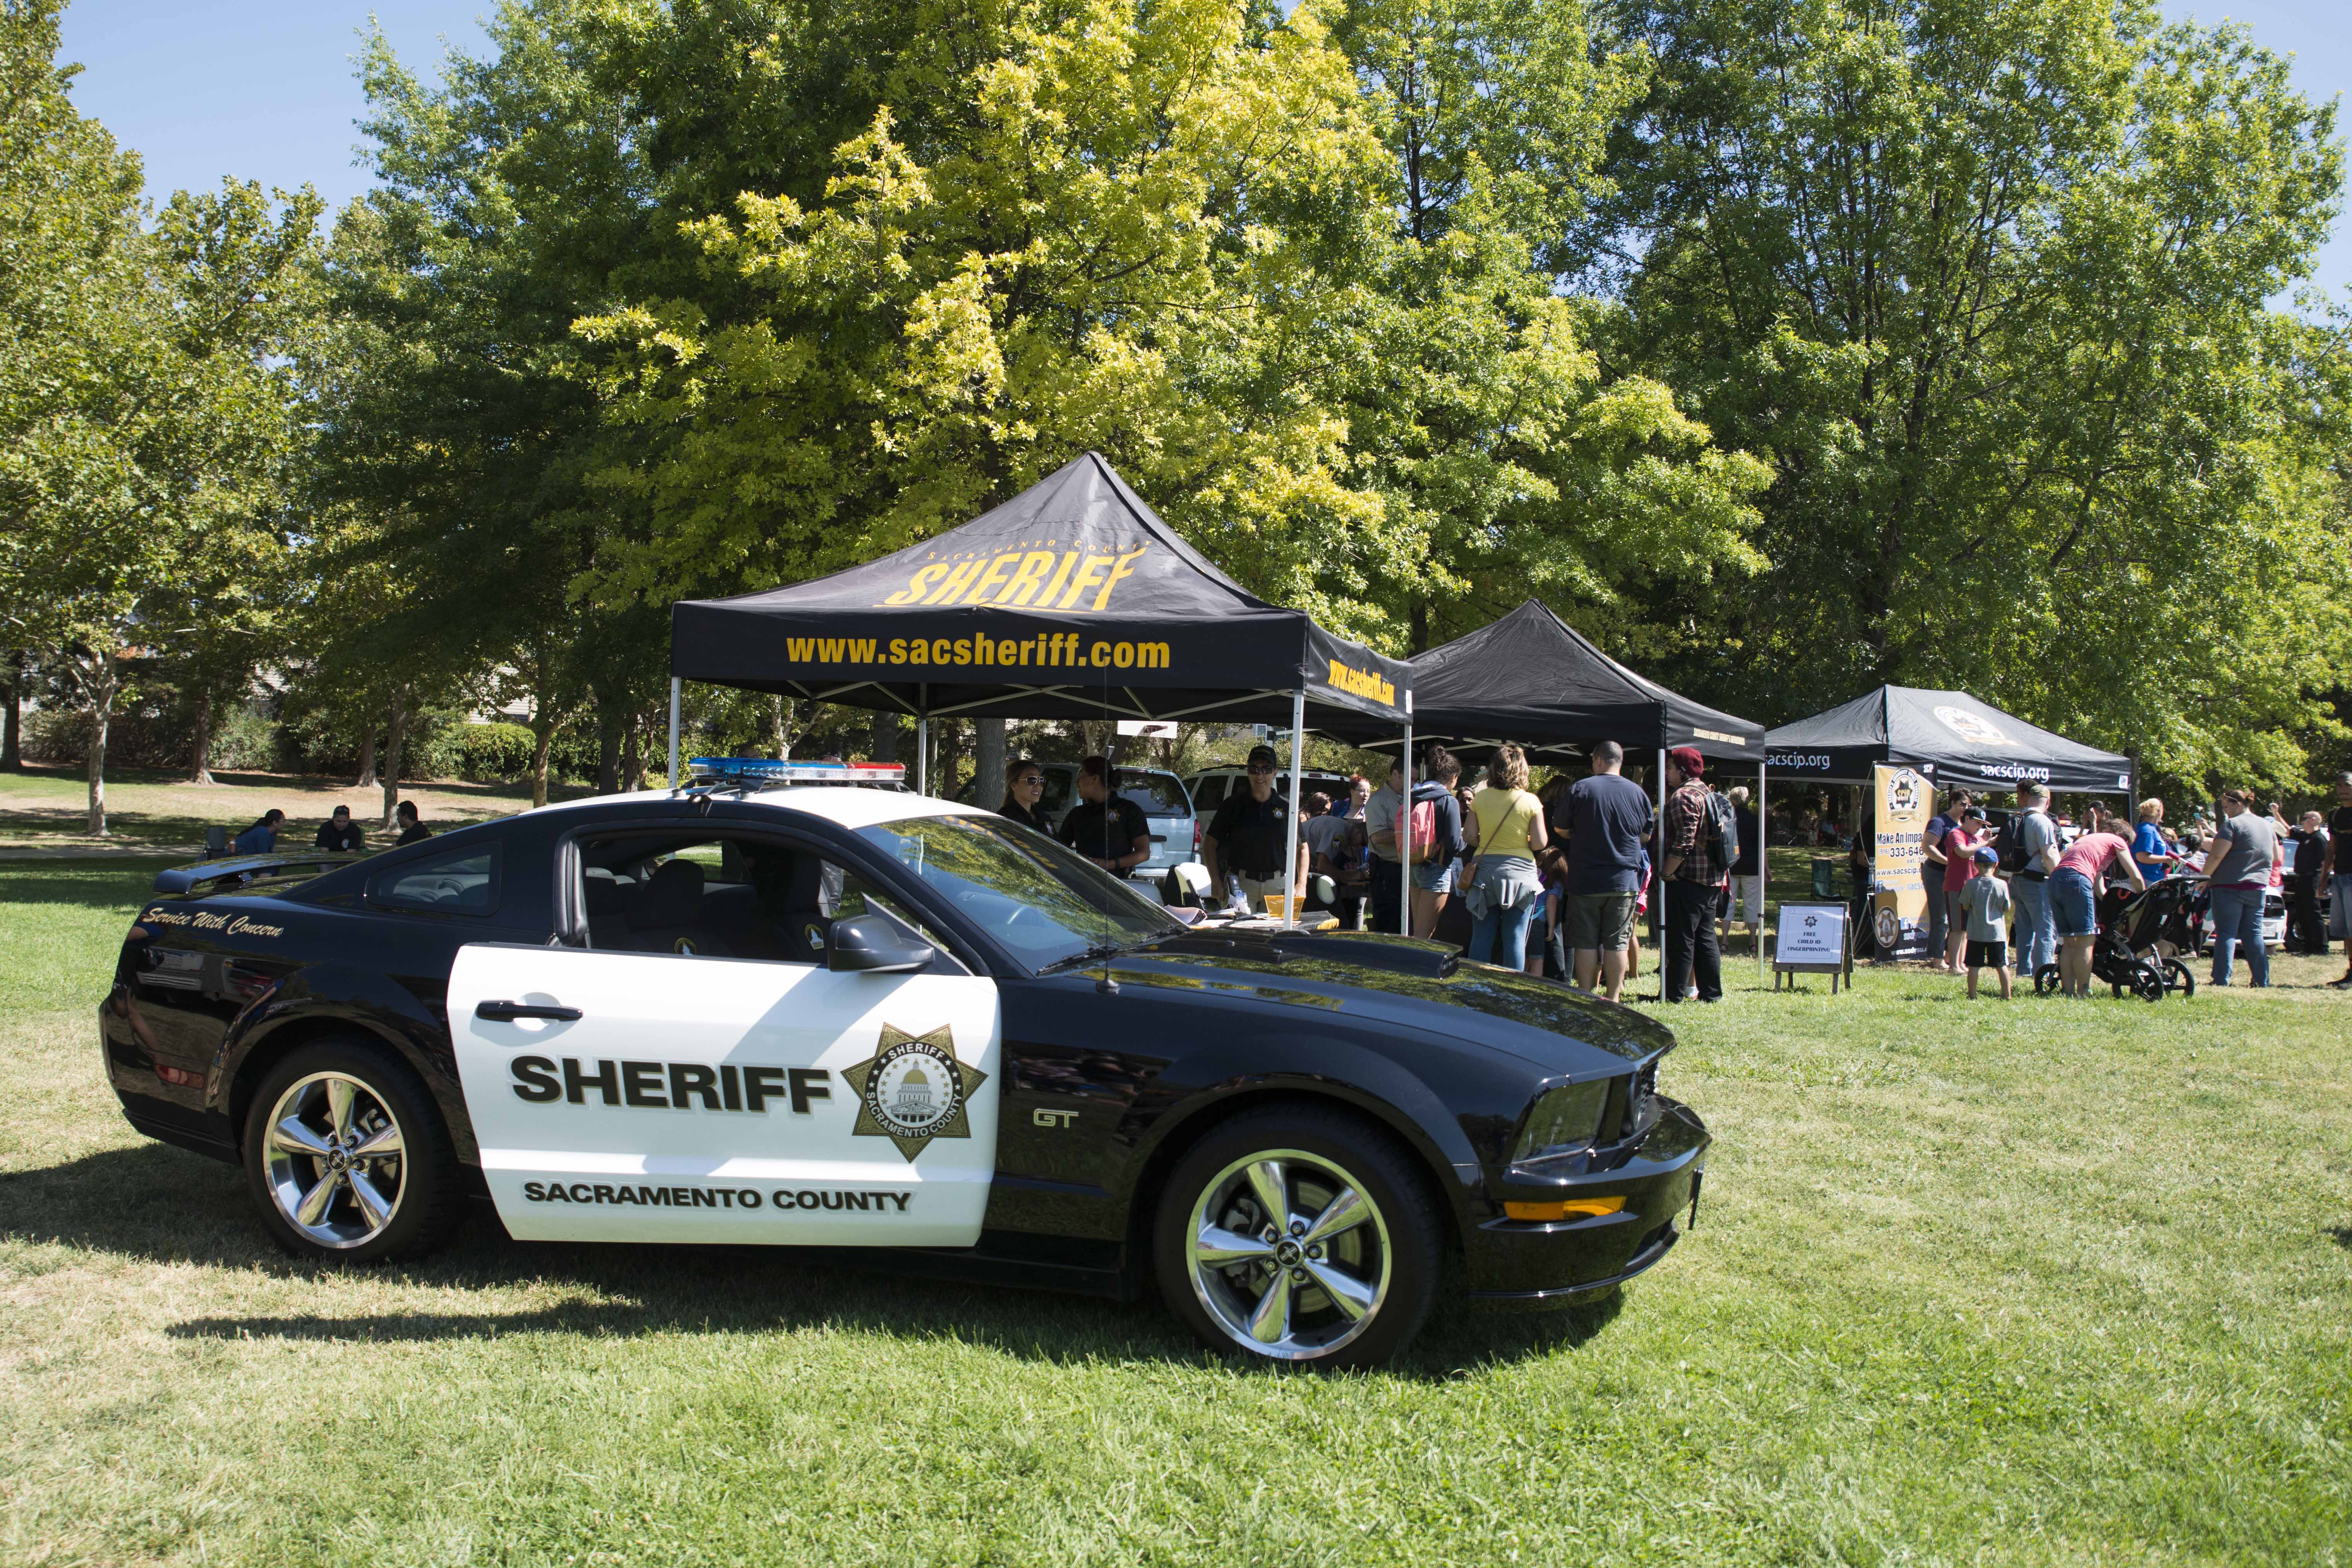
x,y
1984,900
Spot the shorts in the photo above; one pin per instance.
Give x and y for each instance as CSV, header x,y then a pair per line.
x,y
1435,877
2073,905
1599,922
1987,954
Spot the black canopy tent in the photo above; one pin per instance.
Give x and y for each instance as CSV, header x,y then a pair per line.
x,y
1531,679
1951,737
1073,600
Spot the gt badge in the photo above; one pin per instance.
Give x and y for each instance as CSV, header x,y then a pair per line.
x,y
912,1090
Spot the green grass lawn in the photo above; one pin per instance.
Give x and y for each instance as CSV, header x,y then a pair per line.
x,y
2047,1282
47,807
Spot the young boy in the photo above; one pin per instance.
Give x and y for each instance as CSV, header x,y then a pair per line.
x,y
1984,901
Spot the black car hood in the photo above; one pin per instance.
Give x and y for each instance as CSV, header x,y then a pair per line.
x,y
1409,984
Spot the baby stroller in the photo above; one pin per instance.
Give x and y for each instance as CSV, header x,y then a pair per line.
x,y
2124,954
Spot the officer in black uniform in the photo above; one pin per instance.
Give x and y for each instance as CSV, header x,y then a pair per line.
x,y
1246,836
338,832
1107,828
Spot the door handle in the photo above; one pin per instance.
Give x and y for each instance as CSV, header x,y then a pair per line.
x,y
508,1012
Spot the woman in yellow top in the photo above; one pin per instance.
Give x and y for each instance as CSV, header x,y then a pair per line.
x,y
1506,830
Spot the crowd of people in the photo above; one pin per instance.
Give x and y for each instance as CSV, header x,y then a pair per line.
x,y
2047,873
1556,881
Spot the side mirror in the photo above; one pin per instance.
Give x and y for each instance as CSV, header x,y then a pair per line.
x,y
874,944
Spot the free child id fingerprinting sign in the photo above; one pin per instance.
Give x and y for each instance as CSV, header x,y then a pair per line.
x,y
1811,935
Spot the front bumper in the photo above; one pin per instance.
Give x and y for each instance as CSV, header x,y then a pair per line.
x,y
1521,1263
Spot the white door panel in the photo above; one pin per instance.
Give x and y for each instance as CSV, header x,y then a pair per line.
x,y
717,1100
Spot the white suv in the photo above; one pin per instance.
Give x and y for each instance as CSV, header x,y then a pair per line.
x,y
1211,785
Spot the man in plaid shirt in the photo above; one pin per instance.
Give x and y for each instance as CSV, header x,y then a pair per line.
x,y
1692,878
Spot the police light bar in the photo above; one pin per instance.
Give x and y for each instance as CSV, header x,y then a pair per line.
x,y
767,770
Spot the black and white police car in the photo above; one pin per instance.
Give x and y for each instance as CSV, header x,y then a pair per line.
x,y
855,1020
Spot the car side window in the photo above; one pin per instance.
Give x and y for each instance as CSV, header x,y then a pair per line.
x,y
1208,792
700,895
464,882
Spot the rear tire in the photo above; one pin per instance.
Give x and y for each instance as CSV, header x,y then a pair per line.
x,y
2177,978
1343,1276
347,1157
2046,980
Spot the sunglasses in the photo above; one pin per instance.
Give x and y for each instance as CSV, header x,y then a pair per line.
x,y
1261,767
1027,780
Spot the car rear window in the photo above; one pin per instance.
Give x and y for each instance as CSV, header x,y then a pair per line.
x,y
1155,794
464,883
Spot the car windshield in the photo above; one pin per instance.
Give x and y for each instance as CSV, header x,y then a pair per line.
x,y
1040,901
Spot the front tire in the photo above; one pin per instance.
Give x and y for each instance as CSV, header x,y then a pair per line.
x,y
1302,1235
2046,980
346,1157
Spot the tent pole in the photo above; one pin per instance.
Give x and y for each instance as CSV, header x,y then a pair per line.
x,y
1404,835
1658,881
674,685
1763,868
1290,829
923,744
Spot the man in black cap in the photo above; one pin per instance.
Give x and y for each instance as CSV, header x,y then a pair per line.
x,y
1108,829
1246,838
339,832
1691,876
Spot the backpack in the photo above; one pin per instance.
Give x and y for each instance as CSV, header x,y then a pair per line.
x,y
2009,844
1722,831
1425,831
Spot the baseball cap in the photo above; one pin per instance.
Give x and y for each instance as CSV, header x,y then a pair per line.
x,y
1987,855
1263,754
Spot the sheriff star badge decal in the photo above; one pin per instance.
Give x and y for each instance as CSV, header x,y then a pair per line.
x,y
912,1090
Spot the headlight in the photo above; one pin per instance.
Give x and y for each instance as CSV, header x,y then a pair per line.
x,y
1564,1121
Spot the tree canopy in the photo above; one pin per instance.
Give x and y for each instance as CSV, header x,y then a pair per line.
x,y
1786,347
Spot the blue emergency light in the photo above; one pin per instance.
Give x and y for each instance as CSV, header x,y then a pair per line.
x,y
769,771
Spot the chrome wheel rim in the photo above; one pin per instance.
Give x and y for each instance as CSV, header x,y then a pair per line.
x,y
337,1156
1289,1255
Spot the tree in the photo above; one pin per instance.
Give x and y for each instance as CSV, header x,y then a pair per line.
x,y
1071,225
1507,455
148,394
1987,281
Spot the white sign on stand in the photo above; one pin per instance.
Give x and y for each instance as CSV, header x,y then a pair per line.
x,y
1812,938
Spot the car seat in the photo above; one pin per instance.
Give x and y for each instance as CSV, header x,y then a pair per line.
x,y
662,911
807,922
600,903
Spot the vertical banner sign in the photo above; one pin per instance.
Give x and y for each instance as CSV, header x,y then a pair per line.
x,y
1898,897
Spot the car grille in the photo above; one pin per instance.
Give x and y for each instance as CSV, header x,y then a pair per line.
x,y
1641,1108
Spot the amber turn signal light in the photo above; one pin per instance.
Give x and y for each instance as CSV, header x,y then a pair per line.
x,y
1567,1208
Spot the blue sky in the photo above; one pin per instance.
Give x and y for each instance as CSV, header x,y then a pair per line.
x,y
263,88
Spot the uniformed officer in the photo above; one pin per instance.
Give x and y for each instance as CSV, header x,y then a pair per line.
x,y
1246,838
339,832
1108,829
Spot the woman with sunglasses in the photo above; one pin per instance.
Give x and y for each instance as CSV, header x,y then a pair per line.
x,y
1025,786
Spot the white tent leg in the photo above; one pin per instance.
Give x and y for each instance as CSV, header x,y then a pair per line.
x,y
1290,832
1658,877
923,755
674,684
1763,868
1404,837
